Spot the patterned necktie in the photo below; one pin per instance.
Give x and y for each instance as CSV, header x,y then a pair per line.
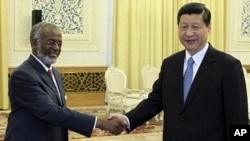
x,y
188,77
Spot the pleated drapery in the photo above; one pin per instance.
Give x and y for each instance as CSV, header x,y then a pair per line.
x,y
4,101
146,31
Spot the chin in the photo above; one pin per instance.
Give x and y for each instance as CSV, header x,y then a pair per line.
x,y
49,60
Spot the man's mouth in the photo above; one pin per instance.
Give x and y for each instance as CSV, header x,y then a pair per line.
x,y
53,55
190,41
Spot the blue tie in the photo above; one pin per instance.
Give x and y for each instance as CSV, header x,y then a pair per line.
x,y
188,76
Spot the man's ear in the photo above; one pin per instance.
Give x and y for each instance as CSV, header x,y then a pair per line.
x,y
33,43
209,27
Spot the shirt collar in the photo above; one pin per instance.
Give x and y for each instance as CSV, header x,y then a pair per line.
x,y
198,57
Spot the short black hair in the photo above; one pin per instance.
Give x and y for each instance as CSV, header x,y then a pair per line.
x,y
195,8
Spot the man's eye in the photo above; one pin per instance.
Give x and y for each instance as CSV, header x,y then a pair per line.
x,y
54,43
51,43
196,27
183,27
59,44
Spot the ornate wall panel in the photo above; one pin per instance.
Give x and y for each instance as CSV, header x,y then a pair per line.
x,y
84,82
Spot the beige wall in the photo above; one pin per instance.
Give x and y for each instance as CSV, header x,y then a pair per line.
x,y
91,48
238,44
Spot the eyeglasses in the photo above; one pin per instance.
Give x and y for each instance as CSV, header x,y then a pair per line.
x,y
52,43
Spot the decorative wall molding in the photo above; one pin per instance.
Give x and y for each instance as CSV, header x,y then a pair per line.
x,y
239,25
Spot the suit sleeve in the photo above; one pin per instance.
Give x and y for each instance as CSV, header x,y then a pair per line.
x,y
32,93
235,95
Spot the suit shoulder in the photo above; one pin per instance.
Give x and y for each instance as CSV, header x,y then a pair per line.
x,y
222,59
179,56
225,56
24,67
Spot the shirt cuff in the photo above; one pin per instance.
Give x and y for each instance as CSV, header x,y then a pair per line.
x,y
128,127
95,123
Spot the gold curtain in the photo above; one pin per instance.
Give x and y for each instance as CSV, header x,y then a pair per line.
x,y
145,32
4,104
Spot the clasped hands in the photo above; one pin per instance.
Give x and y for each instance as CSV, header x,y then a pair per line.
x,y
115,124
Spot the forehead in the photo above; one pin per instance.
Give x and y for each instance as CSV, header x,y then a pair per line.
x,y
51,32
191,18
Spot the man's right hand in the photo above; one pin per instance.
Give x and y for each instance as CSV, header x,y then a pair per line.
x,y
114,125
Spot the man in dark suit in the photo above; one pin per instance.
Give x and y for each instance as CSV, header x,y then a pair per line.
x,y
38,110
217,97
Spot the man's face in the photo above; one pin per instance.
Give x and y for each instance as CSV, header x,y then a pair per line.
x,y
48,47
193,32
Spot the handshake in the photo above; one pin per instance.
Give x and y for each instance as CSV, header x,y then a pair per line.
x,y
115,123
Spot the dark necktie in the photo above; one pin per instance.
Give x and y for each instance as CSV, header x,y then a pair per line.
x,y
188,76
50,73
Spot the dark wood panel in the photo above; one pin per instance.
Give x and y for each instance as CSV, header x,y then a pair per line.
x,y
94,99
247,68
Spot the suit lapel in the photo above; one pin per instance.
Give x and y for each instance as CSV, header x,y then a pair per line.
x,y
51,84
201,74
45,76
60,86
179,77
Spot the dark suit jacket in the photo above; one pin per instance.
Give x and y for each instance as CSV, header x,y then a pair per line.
x,y
217,99
36,113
